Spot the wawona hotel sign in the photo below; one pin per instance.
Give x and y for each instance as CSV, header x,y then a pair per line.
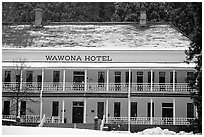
x,y
78,58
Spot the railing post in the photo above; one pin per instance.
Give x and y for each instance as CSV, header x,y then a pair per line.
x,y
129,103
151,89
107,85
85,103
85,80
106,110
174,112
151,120
63,88
174,80
63,111
42,87
52,119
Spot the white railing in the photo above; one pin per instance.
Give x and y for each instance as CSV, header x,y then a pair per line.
x,y
113,87
53,119
147,120
13,117
30,118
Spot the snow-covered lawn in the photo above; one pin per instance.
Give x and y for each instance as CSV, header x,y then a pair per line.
x,y
16,130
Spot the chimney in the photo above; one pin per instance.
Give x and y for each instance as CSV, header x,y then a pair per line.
x,y
38,17
143,16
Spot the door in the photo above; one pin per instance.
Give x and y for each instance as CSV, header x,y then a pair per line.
x,y
6,110
100,110
55,108
167,113
78,112
140,81
56,79
101,79
116,109
162,81
7,78
78,80
39,80
133,109
149,109
117,81
23,108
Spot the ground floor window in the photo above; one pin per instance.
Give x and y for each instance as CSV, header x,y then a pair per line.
x,y
116,109
190,110
23,108
6,109
55,108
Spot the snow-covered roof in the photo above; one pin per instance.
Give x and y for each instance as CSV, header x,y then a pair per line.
x,y
105,36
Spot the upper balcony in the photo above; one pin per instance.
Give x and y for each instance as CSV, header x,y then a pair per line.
x,y
97,87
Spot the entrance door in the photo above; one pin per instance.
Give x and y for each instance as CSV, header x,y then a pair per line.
x,y
162,81
78,80
133,109
167,113
117,81
100,110
78,112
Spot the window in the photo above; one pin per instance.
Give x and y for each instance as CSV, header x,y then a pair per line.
x,y
190,110
190,75
162,81
56,76
7,76
117,81
55,108
6,110
116,109
133,109
167,109
29,76
23,108
149,77
101,79
140,81
149,109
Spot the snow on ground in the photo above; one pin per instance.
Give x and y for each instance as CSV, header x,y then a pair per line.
x,y
16,130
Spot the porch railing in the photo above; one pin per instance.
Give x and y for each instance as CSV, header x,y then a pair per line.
x,y
34,118
147,120
113,87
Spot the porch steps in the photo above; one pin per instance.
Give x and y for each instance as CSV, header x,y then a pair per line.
x,y
70,125
29,124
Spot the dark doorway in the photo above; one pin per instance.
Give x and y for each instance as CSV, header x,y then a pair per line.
x,y
55,108
190,110
116,109
6,110
7,76
117,81
23,108
101,79
100,110
140,81
167,113
133,109
149,109
29,77
78,112
56,79
78,80
162,81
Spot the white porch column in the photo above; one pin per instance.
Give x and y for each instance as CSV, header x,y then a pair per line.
x,y
64,76
63,111
85,81
151,89
106,110
174,80
21,79
42,87
107,84
85,110
151,120
174,111
129,101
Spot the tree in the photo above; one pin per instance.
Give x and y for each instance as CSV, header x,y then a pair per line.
x,y
19,89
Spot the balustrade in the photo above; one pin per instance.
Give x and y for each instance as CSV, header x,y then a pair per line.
x,y
113,87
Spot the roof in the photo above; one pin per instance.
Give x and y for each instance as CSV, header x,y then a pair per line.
x,y
102,65
105,36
